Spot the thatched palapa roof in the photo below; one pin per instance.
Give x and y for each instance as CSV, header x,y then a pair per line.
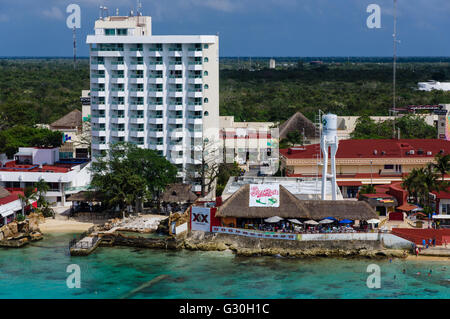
x,y
4,192
238,206
86,196
292,207
297,122
178,193
71,120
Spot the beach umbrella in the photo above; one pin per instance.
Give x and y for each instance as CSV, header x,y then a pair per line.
x,y
373,221
326,221
311,222
331,218
274,219
295,221
346,221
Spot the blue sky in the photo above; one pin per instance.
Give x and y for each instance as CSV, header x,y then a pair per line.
x,y
245,27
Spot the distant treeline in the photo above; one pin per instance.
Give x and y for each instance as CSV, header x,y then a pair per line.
x,y
341,59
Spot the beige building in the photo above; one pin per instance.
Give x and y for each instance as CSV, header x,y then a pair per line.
x,y
247,143
360,162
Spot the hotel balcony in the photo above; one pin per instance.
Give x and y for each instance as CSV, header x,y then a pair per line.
x,y
155,79
174,66
117,80
97,79
176,93
136,79
177,160
195,107
155,93
155,107
155,120
99,146
176,134
137,92
115,119
195,79
97,92
97,66
195,133
137,132
175,120
175,52
154,52
117,92
155,146
195,120
175,80
195,66
195,53
176,147
117,107
97,119
137,119
156,133
98,131
118,132
136,107
175,107
96,106
107,53
195,94
155,66
117,66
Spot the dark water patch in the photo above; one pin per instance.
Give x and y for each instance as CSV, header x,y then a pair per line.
x,y
228,282
298,291
334,286
430,291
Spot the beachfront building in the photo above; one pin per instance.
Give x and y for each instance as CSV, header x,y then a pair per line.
x,y
31,164
361,162
249,144
239,211
156,91
11,205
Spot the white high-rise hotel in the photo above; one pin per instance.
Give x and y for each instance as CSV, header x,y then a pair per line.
x,y
159,92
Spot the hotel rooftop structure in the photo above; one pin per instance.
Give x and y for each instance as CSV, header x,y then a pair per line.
x,y
159,92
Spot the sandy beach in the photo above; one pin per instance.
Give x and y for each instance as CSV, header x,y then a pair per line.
x,y
63,226
427,258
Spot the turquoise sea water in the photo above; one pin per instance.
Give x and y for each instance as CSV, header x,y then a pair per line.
x,y
39,271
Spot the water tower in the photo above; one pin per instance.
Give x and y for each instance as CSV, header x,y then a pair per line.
x,y
328,141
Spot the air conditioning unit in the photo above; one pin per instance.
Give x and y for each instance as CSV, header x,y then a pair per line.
x,y
429,153
412,152
375,152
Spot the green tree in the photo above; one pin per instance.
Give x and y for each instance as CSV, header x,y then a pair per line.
x,y
127,175
442,164
367,189
29,196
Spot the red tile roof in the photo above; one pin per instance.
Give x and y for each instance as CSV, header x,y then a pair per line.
x,y
57,168
385,148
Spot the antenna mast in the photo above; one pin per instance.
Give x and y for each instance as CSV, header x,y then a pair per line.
x,y
394,66
74,48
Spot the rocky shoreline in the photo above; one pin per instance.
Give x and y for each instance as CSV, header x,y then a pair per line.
x,y
19,234
245,246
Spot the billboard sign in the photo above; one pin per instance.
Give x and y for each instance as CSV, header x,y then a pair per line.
x,y
264,195
201,218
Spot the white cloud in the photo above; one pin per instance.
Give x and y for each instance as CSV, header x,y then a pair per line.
x,y
53,13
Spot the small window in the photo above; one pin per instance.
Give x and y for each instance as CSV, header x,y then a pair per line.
x,y
206,60
206,86
205,100
110,32
388,166
205,73
122,31
206,113
206,46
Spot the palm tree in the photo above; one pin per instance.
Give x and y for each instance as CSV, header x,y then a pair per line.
x,y
442,164
421,182
29,195
367,189
41,188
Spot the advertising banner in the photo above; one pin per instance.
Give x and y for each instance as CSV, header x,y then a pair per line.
x,y
264,195
253,233
201,218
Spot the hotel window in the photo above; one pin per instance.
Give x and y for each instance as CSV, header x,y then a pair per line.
x,y
445,209
206,46
206,113
122,31
206,86
206,100
206,60
388,166
205,73
110,32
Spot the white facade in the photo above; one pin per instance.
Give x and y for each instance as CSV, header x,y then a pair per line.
x,y
63,179
159,92
434,85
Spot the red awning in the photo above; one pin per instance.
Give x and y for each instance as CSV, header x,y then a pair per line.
x,y
349,183
406,207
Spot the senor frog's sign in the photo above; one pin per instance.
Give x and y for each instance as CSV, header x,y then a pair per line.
x,y
264,195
